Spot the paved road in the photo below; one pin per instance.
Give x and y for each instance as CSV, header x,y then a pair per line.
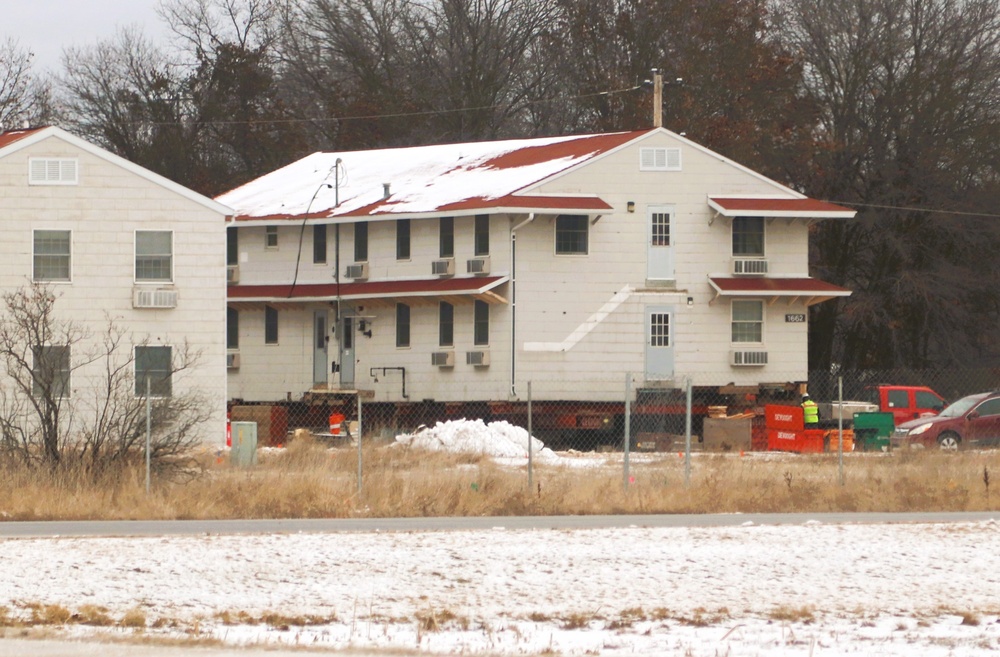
x,y
189,527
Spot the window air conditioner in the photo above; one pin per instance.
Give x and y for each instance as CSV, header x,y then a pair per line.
x,y
232,274
233,361
357,271
479,266
151,297
749,266
477,358
443,267
443,358
748,358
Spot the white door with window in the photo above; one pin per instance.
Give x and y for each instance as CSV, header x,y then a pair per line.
x,y
659,343
659,243
321,359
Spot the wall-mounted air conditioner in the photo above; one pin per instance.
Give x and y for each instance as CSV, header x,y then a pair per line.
x,y
443,358
232,274
477,358
233,360
444,267
749,266
357,271
748,357
478,265
153,297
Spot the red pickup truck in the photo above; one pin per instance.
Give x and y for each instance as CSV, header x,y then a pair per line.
x,y
906,402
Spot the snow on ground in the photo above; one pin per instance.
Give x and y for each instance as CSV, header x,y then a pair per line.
x,y
926,590
754,590
500,440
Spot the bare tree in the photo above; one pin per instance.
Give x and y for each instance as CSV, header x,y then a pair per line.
x,y
23,97
908,125
67,397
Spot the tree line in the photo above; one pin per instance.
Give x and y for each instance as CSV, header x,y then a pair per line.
x,y
888,106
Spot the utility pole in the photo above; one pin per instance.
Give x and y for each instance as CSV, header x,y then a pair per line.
x,y
657,98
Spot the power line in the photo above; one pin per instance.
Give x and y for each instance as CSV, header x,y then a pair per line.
x,y
960,213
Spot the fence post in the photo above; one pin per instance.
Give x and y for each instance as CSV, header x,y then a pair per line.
x,y
840,427
530,450
687,435
360,433
149,426
628,428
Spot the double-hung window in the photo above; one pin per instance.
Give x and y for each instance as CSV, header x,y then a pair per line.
x,y
153,368
154,259
271,237
361,241
748,237
402,239
319,244
402,325
481,236
446,324
571,234
270,325
50,371
52,258
748,321
446,237
481,324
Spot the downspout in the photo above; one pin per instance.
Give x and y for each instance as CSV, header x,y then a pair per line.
x,y
513,301
336,265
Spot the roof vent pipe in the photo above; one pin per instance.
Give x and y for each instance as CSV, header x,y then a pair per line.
x,y
385,190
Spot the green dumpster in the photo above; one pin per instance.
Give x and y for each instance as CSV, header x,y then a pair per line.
x,y
872,431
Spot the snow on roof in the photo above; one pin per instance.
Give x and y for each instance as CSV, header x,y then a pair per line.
x,y
424,179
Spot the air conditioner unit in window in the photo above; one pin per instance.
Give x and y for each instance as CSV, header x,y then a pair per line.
x,y
443,359
233,360
443,267
748,358
152,297
232,274
477,358
357,271
749,266
478,266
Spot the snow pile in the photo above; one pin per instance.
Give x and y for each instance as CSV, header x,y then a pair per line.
x,y
498,439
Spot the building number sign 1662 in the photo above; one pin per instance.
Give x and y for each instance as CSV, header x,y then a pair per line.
x,y
795,318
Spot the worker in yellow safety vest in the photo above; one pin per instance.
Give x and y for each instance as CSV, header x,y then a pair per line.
x,y
810,412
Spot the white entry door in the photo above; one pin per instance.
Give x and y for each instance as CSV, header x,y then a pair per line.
x,y
659,342
659,243
321,340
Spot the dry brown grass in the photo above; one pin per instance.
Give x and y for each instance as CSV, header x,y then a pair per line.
x,y
307,480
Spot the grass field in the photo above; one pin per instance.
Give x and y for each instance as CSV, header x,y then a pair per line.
x,y
308,480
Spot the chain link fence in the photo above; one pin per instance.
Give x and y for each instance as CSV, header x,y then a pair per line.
x,y
632,414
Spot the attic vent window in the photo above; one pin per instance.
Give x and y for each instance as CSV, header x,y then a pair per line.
x,y
52,171
659,159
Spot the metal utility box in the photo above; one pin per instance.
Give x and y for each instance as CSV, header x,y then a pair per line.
x,y
244,450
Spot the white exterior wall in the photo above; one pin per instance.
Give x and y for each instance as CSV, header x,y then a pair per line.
x,y
103,212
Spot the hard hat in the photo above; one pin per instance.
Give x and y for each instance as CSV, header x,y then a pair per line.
x,y
805,397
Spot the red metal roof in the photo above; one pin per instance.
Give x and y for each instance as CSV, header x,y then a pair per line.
x,y
367,289
763,284
7,138
779,207
752,286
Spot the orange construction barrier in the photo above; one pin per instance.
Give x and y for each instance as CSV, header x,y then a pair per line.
x,y
336,422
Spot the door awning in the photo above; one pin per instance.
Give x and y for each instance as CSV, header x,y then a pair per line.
x,y
794,290
465,289
806,208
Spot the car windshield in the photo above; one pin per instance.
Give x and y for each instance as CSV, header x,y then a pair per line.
x,y
959,408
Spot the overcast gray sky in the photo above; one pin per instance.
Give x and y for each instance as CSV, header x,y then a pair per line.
x,y
47,26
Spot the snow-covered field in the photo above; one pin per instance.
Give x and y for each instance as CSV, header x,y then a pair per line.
x,y
751,590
